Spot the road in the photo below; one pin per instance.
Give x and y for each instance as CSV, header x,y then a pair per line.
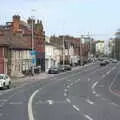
x,y
89,93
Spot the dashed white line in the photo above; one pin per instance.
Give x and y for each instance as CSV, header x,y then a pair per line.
x,y
94,92
15,103
75,107
50,102
65,90
97,95
115,104
68,86
108,73
89,101
68,100
65,94
93,86
88,117
110,87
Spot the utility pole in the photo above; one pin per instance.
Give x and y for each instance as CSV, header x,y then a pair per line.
x,y
63,51
81,59
32,44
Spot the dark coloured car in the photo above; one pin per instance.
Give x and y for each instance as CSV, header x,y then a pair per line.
x,y
61,68
67,67
107,61
103,63
53,70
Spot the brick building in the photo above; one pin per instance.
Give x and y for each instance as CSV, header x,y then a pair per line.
x,y
72,48
23,31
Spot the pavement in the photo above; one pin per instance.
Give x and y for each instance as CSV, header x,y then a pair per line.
x,y
87,93
16,81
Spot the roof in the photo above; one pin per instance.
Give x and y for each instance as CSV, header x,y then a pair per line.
x,y
14,44
18,44
4,43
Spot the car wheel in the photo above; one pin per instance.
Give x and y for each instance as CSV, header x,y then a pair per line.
x,y
9,85
3,86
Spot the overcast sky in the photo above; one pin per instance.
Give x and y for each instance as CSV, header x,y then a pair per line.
x,y
73,17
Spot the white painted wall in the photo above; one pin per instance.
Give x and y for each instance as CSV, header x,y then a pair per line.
x,y
21,60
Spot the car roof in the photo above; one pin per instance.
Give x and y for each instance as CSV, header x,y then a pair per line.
x,y
3,74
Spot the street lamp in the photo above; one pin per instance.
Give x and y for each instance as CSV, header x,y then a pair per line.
x,y
33,53
81,57
63,50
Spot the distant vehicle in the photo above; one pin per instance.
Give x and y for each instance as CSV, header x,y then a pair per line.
x,y
107,61
103,63
53,70
37,69
114,61
67,68
100,59
5,81
61,68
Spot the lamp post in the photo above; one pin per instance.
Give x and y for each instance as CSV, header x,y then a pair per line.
x,y
81,57
63,50
33,53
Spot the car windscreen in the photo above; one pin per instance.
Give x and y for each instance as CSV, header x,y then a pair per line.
x,y
1,77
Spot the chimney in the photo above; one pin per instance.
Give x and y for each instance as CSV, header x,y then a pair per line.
x,y
16,23
29,21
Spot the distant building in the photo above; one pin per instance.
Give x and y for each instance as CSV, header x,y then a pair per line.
x,y
52,54
100,47
117,45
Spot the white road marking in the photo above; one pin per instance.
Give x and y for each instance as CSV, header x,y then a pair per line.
x,y
15,103
50,102
108,73
93,86
89,79
94,92
75,107
68,86
30,111
65,94
88,117
68,100
97,95
89,101
115,104
65,90
110,87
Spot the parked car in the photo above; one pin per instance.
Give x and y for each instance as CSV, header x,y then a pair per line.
x,y
67,67
5,81
53,70
103,63
107,61
61,68
37,69
114,61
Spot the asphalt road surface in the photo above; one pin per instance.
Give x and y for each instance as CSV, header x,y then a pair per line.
x,y
89,93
